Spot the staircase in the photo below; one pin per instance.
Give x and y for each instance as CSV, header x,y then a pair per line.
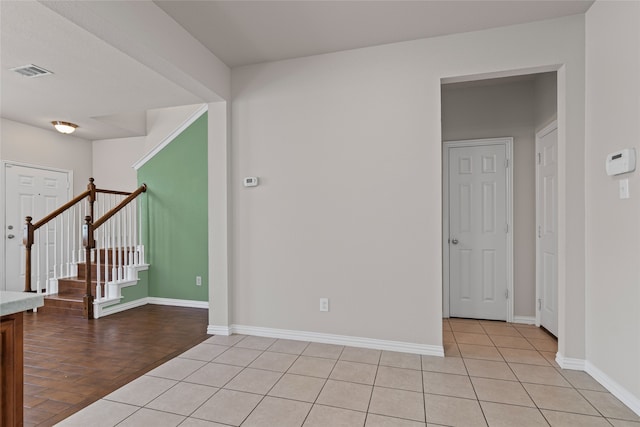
x,y
81,255
68,301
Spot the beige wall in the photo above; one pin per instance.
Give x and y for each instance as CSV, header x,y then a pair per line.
x,y
503,109
613,225
348,149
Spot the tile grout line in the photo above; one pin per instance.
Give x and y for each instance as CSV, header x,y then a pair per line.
x,y
373,386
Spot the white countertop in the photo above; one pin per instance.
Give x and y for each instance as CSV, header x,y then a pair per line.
x,y
14,302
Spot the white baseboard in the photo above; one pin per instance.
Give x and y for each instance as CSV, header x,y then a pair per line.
x,y
525,320
570,363
178,302
105,311
219,330
625,396
400,346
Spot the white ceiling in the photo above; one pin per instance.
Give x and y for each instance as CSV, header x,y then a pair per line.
x,y
249,32
106,87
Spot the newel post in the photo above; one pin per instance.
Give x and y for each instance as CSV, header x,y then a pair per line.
x,y
92,196
89,243
27,241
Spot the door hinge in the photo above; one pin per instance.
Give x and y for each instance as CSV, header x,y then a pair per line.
x,y
539,158
506,228
539,304
506,294
539,231
506,163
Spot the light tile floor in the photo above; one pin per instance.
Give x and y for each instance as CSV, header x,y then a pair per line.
x,y
494,374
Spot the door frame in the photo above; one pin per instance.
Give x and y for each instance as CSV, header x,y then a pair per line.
x,y
507,142
3,198
539,135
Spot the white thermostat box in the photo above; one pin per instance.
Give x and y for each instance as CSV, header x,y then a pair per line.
x,y
250,181
622,161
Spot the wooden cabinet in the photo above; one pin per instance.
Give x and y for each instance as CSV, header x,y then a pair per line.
x,y
11,370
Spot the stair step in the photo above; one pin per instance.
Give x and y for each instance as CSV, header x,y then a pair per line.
x,y
63,305
109,252
82,268
76,287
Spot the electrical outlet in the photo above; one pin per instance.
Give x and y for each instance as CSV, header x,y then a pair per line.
x,y
324,304
198,280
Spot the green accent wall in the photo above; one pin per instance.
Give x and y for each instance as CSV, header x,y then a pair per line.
x,y
138,291
175,216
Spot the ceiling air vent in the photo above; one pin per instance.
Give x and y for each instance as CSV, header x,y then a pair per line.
x,y
31,71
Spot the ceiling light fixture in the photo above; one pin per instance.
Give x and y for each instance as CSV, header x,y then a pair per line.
x,y
64,127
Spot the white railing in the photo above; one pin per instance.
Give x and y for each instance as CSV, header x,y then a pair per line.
x,y
117,247
55,244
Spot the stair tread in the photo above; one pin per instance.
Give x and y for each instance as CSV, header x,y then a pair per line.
x,y
79,281
63,297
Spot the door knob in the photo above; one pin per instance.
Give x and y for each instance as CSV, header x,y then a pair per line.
x,y
10,236
454,241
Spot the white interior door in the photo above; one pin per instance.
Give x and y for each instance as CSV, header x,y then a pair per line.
x,y
547,223
478,227
34,192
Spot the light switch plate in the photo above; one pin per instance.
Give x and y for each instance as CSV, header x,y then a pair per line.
x,y
624,188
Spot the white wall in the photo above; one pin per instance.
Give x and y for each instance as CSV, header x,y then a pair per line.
x,y
28,144
613,225
546,99
348,149
113,159
496,110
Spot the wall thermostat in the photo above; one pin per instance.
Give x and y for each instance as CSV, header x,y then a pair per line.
x,y
251,181
622,161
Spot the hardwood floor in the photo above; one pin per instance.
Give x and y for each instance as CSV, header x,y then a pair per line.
x,y
72,362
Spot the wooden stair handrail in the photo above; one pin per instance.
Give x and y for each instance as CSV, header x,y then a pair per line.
x,y
121,205
60,210
120,193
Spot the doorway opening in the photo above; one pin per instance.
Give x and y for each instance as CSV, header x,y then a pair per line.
x,y
517,108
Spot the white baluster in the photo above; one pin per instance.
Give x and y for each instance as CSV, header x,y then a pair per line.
x,y
129,236
114,269
140,244
72,214
61,245
134,232
120,266
36,238
46,256
105,243
55,248
79,233
98,285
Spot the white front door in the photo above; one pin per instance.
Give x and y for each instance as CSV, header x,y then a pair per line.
x,y
547,224
34,192
478,218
